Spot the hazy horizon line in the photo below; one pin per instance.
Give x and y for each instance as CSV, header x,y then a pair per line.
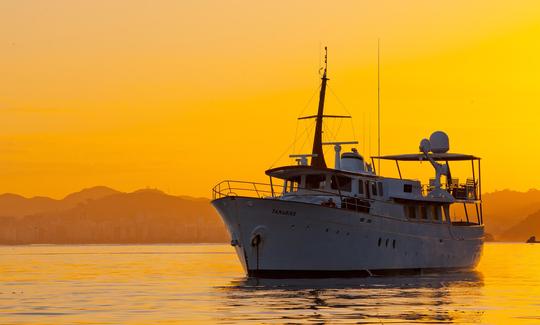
x,y
148,188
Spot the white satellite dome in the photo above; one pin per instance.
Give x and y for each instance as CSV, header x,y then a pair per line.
x,y
439,142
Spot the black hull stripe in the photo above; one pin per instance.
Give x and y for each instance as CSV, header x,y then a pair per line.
x,y
284,274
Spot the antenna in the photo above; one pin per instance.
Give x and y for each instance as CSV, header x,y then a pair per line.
x,y
364,133
369,134
379,104
321,68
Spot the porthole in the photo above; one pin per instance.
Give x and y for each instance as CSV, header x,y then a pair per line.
x,y
394,243
386,242
379,243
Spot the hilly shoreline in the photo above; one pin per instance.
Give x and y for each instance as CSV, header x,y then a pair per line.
x,y
102,215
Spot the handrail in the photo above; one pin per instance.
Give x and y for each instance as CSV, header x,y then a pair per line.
x,y
460,191
261,190
264,190
226,187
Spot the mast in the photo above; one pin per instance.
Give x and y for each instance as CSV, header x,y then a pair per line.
x,y
317,159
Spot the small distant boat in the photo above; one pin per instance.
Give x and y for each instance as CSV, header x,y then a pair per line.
x,y
532,240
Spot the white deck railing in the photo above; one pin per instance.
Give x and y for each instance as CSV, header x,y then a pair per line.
x,y
230,188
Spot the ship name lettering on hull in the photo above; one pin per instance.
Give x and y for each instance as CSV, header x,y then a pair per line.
x,y
284,212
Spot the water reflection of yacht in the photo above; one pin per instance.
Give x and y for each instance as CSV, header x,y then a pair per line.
x,y
470,278
349,220
418,299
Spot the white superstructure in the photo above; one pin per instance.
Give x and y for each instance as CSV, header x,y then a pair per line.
x,y
349,221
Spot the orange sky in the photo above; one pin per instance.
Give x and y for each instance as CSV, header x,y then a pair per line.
x,y
182,94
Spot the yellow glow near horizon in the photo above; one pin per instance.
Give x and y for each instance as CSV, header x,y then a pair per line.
x,y
179,95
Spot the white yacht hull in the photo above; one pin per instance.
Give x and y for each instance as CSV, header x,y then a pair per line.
x,y
300,239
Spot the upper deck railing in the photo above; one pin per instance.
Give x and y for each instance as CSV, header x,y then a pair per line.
x,y
467,191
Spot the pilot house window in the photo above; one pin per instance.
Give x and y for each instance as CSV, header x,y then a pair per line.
x,y
374,188
423,212
436,212
315,182
292,184
360,187
342,183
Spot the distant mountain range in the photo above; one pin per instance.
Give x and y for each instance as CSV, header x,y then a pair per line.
x,y
100,215
103,215
511,215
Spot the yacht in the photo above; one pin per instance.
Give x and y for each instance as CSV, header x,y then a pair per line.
x,y
311,220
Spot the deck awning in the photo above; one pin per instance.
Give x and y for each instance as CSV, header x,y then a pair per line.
x,y
435,156
286,172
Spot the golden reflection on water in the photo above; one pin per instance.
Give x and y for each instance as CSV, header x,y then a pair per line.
x,y
140,284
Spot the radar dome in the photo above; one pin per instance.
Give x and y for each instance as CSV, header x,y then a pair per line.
x,y
425,146
439,142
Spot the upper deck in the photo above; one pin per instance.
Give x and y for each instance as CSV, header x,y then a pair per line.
x,y
303,179
468,191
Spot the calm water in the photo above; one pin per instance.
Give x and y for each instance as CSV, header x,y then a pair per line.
x,y
169,284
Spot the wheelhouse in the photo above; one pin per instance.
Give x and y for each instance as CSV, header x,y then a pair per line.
x,y
304,180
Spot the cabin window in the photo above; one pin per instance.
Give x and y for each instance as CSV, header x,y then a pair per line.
x,y
379,184
423,212
374,188
342,183
432,212
293,184
436,212
360,187
315,182
407,188
410,211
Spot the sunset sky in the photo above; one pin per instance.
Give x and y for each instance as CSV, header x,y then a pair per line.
x,y
179,95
